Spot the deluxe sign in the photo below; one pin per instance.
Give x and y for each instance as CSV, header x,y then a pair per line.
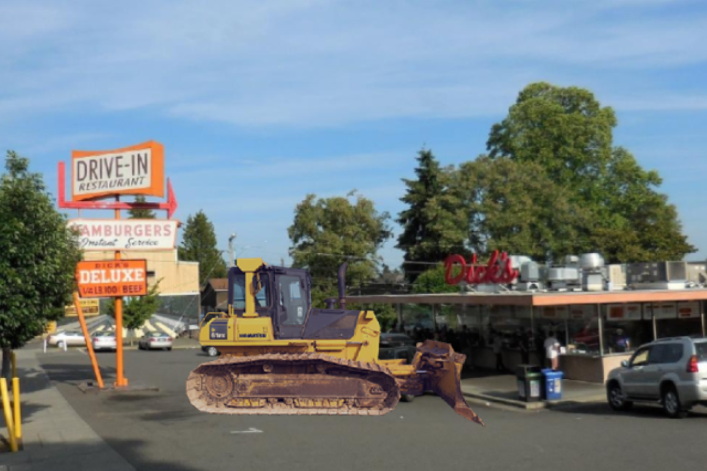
x,y
497,270
127,234
111,278
135,170
89,307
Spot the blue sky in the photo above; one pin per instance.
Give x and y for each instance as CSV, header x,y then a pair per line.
x,y
260,102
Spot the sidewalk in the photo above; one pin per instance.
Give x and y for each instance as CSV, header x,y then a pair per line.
x,y
54,436
503,389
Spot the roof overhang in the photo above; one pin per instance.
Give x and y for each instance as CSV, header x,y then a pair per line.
x,y
538,299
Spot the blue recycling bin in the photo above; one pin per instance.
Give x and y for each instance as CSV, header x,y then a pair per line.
x,y
553,384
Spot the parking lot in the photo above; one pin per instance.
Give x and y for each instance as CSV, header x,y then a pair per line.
x,y
163,431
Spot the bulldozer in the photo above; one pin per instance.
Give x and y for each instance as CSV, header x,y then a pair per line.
x,y
280,355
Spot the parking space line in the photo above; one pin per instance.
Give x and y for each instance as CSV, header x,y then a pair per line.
x,y
250,430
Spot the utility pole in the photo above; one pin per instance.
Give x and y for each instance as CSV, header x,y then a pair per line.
x,y
282,262
231,252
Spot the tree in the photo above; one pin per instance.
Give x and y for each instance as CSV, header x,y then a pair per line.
x,y
569,135
38,257
199,245
328,232
519,209
432,281
137,310
429,229
141,213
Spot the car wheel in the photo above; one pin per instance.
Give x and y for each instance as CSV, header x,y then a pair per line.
x,y
211,351
61,344
407,397
169,349
617,399
672,405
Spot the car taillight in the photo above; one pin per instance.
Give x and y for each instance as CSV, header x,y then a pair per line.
x,y
153,340
169,338
692,366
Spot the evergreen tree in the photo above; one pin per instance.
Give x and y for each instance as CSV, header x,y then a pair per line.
x,y
199,245
430,232
141,213
38,257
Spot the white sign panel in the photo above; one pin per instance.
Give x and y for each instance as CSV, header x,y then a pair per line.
x,y
661,310
689,310
128,234
119,171
582,311
554,312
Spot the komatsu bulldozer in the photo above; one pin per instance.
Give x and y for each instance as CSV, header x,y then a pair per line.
x,y
280,355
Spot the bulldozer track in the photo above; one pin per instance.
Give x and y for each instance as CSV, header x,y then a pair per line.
x,y
292,384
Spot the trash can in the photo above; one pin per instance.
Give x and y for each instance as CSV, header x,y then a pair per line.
x,y
553,384
529,379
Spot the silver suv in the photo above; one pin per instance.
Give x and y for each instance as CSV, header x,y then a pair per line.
x,y
671,372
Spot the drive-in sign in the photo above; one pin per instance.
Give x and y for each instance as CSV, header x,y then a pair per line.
x,y
111,278
135,170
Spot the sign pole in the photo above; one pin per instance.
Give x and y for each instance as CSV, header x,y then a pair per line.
x,y
89,346
120,381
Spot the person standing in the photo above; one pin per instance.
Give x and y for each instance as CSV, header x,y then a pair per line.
x,y
498,351
552,351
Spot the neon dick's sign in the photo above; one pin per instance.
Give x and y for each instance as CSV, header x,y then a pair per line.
x,y
498,270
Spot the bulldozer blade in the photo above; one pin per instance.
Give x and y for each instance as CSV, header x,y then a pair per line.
x,y
442,368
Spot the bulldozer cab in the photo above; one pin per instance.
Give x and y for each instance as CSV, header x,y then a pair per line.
x,y
283,294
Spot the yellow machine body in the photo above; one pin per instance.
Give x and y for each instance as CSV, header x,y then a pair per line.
x,y
259,372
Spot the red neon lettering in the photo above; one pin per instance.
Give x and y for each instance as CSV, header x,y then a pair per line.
x,y
497,270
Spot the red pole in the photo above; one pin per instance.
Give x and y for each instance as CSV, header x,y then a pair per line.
x,y
120,380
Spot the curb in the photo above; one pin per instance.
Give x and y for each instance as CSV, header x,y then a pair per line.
x,y
539,405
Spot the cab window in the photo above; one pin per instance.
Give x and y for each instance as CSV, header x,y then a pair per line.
x,y
261,299
293,306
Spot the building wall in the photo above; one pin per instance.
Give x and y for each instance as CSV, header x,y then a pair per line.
x,y
177,277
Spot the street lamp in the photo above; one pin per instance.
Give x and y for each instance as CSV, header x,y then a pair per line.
x,y
231,253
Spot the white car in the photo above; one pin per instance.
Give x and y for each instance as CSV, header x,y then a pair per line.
x,y
104,341
68,338
155,341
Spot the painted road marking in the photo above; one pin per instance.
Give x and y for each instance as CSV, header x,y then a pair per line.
x,y
250,430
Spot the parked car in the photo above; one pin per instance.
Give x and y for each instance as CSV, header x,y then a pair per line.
x,y
395,346
671,372
68,338
104,341
155,341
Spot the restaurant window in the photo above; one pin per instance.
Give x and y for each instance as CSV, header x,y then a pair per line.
x,y
626,327
583,330
676,319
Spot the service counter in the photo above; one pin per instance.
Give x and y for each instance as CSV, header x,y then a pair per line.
x,y
575,366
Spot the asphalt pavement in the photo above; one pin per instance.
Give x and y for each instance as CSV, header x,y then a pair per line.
x,y
163,431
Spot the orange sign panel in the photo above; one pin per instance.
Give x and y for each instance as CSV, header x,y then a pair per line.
x,y
135,170
112,278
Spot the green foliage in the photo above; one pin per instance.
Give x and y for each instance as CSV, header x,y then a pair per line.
x,y
518,208
432,281
199,245
38,256
563,137
141,213
430,229
327,232
137,310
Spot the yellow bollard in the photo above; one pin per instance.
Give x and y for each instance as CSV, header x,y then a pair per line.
x,y
8,414
18,416
14,364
